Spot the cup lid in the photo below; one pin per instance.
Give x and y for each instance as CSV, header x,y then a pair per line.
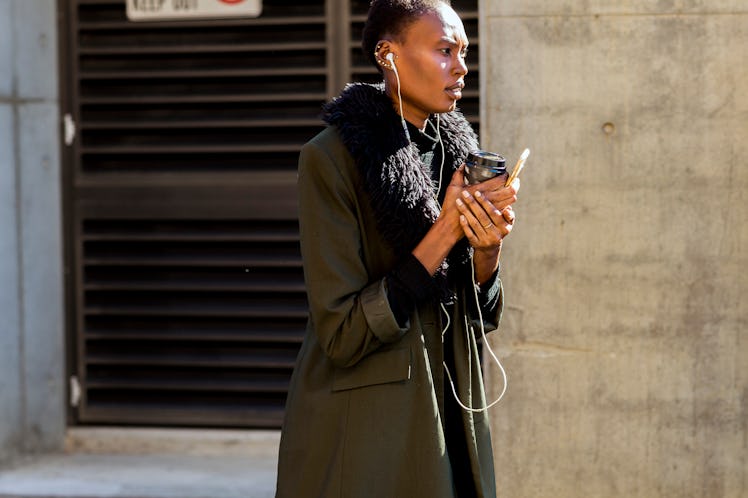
x,y
486,159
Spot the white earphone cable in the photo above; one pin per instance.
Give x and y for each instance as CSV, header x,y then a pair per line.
x,y
391,58
441,166
485,343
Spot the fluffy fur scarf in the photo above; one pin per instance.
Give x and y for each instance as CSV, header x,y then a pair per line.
x,y
398,183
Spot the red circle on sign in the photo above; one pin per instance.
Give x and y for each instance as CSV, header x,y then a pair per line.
x,y
232,1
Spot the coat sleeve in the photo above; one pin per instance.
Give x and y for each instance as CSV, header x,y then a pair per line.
x,y
491,302
349,312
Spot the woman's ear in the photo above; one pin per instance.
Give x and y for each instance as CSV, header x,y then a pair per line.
x,y
384,55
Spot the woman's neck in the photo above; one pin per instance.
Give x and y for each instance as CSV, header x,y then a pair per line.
x,y
417,121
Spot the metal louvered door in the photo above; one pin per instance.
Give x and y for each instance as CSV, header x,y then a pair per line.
x,y
185,270
184,279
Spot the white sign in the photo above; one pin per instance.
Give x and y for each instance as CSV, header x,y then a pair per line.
x,y
160,10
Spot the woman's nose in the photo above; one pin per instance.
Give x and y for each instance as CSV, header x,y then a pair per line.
x,y
461,66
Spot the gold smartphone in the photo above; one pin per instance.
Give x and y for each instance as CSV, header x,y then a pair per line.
x,y
518,167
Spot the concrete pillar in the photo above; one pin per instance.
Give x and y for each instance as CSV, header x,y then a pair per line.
x,y
627,273
32,385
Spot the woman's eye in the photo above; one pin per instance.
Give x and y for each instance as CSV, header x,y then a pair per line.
x,y
449,51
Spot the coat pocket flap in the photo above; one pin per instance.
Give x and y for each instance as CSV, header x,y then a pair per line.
x,y
378,368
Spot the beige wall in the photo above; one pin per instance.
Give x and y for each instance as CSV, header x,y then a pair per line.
x,y
627,274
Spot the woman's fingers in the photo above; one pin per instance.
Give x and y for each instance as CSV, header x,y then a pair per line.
x,y
482,223
477,209
458,177
485,211
501,219
508,214
492,211
500,196
468,230
499,183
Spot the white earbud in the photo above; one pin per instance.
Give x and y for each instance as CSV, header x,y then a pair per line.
x,y
390,57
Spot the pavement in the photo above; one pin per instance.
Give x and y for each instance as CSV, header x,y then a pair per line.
x,y
149,463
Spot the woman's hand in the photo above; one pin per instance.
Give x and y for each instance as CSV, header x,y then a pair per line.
x,y
462,209
449,214
446,231
485,220
496,191
493,191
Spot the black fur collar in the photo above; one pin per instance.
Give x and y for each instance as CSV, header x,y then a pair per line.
x,y
399,184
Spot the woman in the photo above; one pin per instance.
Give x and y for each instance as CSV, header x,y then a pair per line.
x,y
390,278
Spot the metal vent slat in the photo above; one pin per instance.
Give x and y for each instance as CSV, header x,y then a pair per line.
x,y
147,74
187,149
262,385
266,123
143,329
213,49
193,358
228,98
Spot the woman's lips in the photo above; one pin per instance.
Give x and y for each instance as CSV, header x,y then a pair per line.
x,y
455,91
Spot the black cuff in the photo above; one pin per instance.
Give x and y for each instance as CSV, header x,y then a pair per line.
x,y
488,293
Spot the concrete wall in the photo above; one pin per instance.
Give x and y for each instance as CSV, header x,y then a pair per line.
x,y
627,274
32,386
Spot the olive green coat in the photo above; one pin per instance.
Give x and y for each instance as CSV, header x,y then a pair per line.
x,y
366,402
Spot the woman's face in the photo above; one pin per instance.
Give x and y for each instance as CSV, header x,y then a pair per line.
x,y
430,58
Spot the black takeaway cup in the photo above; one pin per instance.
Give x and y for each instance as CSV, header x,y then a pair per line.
x,y
481,165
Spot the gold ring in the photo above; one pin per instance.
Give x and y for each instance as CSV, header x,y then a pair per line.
x,y
486,227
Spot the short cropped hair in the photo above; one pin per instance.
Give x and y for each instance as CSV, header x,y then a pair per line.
x,y
391,18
